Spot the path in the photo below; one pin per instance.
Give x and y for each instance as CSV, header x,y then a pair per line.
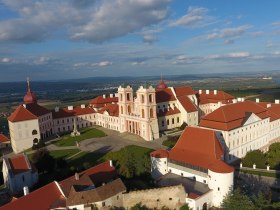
x,y
114,141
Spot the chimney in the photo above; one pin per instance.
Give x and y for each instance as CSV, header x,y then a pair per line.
x,y
111,95
277,101
238,99
25,190
257,100
207,92
234,101
200,91
215,92
83,106
56,109
77,177
116,95
268,105
242,99
111,163
24,105
104,96
70,108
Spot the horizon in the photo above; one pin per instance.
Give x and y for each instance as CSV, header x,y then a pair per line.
x,y
61,40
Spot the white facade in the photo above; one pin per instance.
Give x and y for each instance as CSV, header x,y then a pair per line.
x,y
219,183
16,181
24,134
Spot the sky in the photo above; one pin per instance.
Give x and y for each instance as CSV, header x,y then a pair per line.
x,y
65,39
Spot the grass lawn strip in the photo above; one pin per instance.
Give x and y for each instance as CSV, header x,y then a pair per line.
x,y
87,133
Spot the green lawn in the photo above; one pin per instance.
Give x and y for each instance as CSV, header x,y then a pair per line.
x,y
87,133
171,141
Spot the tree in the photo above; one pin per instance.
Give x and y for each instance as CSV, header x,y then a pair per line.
x,y
43,161
139,206
237,201
254,157
273,155
185,207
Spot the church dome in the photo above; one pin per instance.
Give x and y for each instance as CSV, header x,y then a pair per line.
x,y
30,97
161,85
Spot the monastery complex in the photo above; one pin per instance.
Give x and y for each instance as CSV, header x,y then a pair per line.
x,y
219,130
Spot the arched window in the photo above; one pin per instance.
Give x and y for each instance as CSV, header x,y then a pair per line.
x,y
150,98
34,132
128,109
143,113
35,141
151,113
121,110
128,96
121,97
142,99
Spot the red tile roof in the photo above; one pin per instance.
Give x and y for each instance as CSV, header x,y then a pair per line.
x,y
21,114
63,113
164,95
187,104
99,101
198,147
273,110
161,153
36,109
112,109
233,116
183,91
44,198
192,195
4,138
19,164
167,112
221,96
99,174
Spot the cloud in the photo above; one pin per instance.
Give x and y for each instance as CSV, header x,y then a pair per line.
x,y
94,21
229,33
276,24
229,56
136,63
6,60
89,64
44,60
184,59
195,17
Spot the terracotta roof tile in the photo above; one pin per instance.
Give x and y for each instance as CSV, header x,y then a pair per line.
x,y
43,198
21,114
112,109
164,95
221,96
180,91
232,116
36,109
99,101
187,104
198,147
101,193
19,164
4,138
97,174
161,153
167,112
77,111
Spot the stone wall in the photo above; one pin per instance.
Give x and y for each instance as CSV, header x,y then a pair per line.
x,y
171,197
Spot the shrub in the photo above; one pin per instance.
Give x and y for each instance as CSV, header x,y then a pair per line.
x,y
185,207
254,157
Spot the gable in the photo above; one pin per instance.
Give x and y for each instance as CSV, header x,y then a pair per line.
x,y
251,118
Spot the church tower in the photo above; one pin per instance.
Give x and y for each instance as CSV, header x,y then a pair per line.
x,y
146,107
